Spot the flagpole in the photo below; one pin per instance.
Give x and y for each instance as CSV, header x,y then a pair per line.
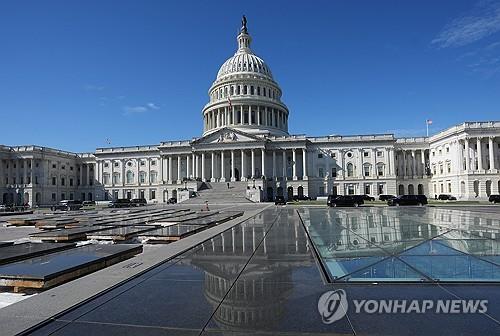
x,y
427,127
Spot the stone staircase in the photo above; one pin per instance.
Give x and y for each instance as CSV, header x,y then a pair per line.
x,y
218,193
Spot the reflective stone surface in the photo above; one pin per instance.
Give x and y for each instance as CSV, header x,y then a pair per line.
x,y
51,265
23,251
262,277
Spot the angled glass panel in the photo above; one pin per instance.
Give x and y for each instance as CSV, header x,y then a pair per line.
x,y
454,267
431,248
388,270
476,247
340,267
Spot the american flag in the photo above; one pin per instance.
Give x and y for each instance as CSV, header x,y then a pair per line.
x,y
428,122
229,101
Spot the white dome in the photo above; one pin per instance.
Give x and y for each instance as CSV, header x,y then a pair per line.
x,y
245,96
243,62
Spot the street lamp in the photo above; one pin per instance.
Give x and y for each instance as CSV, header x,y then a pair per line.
x,y
253,182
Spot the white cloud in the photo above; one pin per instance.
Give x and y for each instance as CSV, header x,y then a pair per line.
x,y
134,109
483,21
140,108
153,106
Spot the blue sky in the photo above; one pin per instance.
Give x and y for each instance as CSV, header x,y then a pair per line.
x,y
75,73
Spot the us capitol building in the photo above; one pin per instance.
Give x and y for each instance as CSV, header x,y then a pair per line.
x,y
246,142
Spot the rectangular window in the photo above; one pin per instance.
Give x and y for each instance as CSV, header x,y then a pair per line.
x,y
367,189
62,181
366,170
71,196
380,189
71,182
380,170
116,164
141,193
54,166
54,197
153,194
63,196
320,172
320,156
334,172
106,165
153,163
366,154
54,181
380,154
449,187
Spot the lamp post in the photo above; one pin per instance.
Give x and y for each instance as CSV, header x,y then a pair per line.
x,y
253,182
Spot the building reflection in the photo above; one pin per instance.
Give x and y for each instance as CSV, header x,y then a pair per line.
x,y
257,299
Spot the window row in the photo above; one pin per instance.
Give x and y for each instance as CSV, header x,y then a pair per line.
x,y
237,90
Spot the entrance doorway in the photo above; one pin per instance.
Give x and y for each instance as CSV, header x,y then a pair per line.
x,y
236,174
270,193
289,192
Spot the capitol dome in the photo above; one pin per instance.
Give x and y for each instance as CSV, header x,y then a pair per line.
x,y
245,96
244,62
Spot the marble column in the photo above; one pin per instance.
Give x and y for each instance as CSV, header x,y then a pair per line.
x,y
203,167
405,163
413,164
479,154
467,155
491,153
212,172
294,163
222,172
304,164
179,158
263,162
188,168
170,177
253,164
197,166
32,174
243,166
233,178
422,158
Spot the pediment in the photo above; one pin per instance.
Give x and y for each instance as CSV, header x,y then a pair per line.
x,y
227,135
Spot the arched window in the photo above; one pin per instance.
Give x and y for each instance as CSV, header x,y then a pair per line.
x,y
380,169
105,178
130,177
154,176
350,169
116,178
142,177
367,169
